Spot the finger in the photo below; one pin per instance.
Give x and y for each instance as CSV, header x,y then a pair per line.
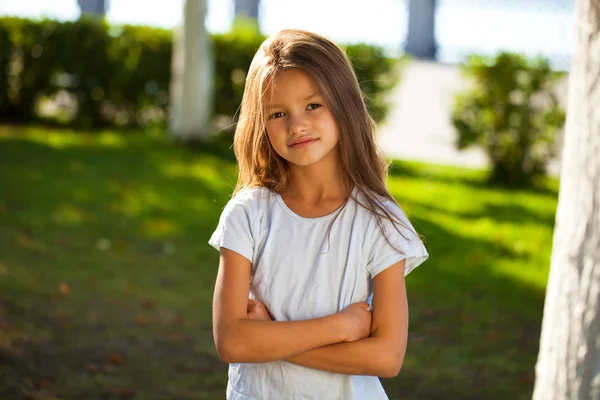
x,y
369,308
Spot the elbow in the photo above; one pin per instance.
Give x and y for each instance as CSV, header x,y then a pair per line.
x,y
228,351
391,367
224,351
226,355
227,347
391,371
228,344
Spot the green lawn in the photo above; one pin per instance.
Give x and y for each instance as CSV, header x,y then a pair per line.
x,y
106,278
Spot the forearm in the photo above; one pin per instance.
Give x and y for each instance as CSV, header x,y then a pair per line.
x,y
253,341
369,356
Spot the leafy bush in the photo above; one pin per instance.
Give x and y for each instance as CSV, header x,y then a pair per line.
x,y
512,112
120,75
233,53
376,74
113,75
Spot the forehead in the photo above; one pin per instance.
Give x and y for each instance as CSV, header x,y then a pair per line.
x,y
291,84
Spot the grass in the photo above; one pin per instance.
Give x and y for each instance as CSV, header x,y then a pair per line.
x,y
106,279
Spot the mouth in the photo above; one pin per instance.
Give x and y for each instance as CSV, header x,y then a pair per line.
x,y
303,143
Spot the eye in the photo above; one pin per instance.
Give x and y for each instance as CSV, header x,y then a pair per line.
x,y
313,106
276,115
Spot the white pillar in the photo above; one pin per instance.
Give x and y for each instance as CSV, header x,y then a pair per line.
x,y
93,7
247,8
191,76
420,42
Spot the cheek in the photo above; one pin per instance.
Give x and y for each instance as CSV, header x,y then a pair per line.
x,y
276,140
333,132
327,125
273,135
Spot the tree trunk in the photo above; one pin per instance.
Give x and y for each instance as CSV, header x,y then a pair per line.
x,y
192,76
568,365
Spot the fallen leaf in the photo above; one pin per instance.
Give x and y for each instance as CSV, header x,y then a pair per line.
x,y
116,360
142,320
6,327
125,392
27,238
178,320
64,289
147,304
529,378
27,232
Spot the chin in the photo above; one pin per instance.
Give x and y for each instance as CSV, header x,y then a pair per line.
x,y
304,163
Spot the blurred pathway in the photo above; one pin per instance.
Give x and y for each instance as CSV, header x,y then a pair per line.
x,y
418,126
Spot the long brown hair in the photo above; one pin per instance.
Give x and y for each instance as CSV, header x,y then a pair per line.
x,y
328,65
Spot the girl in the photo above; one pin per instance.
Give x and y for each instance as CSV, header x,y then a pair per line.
x,y
311,235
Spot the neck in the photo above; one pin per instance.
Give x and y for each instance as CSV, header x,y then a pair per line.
x,y
315,183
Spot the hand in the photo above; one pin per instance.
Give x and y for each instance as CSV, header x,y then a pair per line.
x,y
258,311
355,321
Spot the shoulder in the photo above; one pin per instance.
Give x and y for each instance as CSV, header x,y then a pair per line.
x,y
387,218
251,194
249,200
378,206
393,238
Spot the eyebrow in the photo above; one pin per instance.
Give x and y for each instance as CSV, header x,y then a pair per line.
x,y
310,96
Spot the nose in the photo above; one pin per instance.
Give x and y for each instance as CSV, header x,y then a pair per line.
x,y
297,125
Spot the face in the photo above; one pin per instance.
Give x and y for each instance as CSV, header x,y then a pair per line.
x,y
300,127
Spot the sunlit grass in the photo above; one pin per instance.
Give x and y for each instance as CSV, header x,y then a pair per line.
x,y
103,255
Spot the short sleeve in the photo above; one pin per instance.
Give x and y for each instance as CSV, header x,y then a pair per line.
x,y
382,255
234,231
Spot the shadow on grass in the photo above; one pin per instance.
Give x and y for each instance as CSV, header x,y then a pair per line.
x,y
473,332
114,358
132,182
469,177
105,275
108,281
503,214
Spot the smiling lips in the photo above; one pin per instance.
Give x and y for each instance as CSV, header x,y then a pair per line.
x,y
301,143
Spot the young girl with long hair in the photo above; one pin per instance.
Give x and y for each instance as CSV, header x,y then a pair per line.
x,y
310,300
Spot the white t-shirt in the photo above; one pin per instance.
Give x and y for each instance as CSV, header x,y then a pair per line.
x,y
302,271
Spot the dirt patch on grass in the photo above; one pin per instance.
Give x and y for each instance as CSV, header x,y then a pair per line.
x,y
45,357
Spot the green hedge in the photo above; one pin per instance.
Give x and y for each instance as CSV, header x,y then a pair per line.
x,y
120,75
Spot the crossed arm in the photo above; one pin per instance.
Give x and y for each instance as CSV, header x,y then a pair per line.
x,y
332,343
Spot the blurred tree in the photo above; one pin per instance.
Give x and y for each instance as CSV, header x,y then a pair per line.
x,y
192,75
568,365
